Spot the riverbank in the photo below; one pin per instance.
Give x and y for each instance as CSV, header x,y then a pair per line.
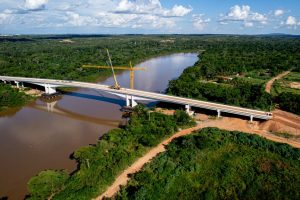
x,y
98,165
12,99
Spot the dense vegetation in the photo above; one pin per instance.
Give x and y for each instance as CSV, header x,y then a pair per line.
x,y
237,92
56,58
256,57
235,72
10,97
101,163
218,164
289,102
53,57
245,56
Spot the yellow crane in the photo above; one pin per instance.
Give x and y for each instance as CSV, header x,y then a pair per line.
x,y
130,68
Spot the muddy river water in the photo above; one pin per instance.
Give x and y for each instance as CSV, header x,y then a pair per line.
x,y
43,135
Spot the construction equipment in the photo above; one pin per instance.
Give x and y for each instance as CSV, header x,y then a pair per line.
x,y
130,68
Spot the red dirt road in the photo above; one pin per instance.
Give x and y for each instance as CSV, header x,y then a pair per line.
x,y
270,82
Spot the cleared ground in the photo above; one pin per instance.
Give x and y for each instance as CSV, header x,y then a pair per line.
x,y
270,82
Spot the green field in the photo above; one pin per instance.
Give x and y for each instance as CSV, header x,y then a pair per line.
x,y
292,77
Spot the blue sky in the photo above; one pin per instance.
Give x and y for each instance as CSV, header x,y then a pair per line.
x,y
149,16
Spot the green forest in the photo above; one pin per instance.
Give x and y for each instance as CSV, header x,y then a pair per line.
x,y
248,62
100,164
218,164
239,92
53,57
11,97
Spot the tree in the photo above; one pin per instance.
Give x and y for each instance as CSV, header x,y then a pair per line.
x,y
46,184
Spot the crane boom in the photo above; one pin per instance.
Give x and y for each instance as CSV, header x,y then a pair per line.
x,y
117,86
108,67
130,68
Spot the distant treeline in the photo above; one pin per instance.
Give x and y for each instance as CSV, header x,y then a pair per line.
x,y
50,56
218,164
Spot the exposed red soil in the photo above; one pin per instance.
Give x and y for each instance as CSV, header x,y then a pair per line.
x,y
270,82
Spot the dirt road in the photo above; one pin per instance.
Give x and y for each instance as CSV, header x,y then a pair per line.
x,y
231,124
270,82
136,166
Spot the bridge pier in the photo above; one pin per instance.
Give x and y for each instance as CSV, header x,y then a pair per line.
x,y
219,113
17,83
130,101
187,108
251,118
49,89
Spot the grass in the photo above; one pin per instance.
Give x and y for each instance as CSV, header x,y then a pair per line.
x,y
280,86
292,77
286,135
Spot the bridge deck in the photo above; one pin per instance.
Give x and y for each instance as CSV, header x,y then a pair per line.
x,y
150,95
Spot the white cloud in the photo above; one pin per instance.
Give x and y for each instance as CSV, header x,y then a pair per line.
x,y
243,14
108,19
35,4
135,14
6,17
278,12
198,22
152,7
248,24
238,13
291,21
178,11
75,19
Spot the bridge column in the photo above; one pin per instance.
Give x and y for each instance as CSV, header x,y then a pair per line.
x,y
187,109
16,82
219,113
127,100
133,102
49,89
251,118
130,101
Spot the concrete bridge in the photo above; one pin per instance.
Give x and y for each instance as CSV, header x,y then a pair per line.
x,y
131,95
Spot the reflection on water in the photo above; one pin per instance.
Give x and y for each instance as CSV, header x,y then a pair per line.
x,y
43,135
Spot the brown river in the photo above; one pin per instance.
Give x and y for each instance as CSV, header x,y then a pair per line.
x,y
43,135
